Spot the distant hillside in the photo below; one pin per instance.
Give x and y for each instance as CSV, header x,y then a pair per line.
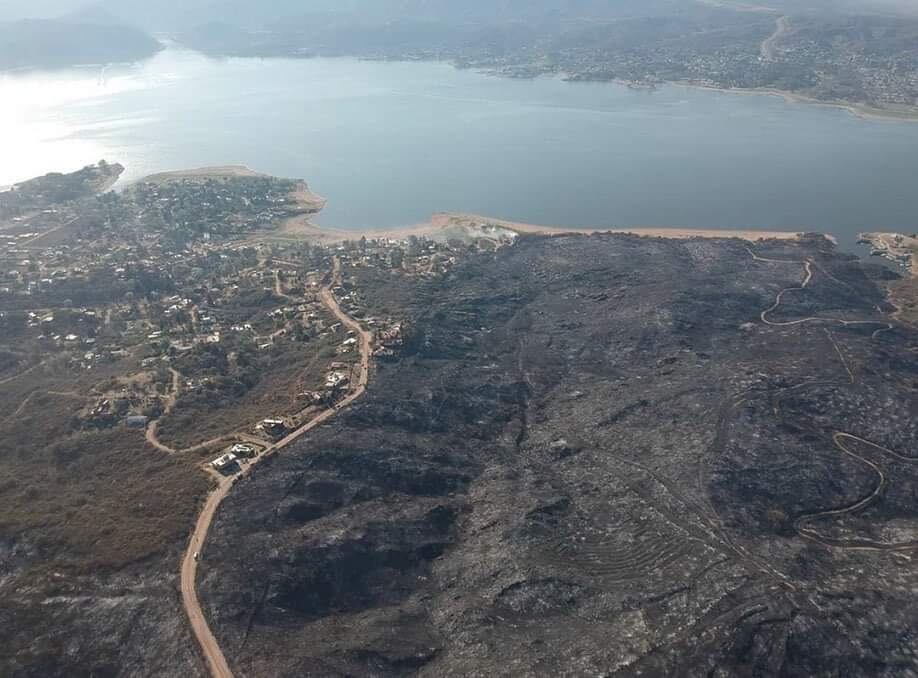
x,y
48,43
180,15
815,50
176,15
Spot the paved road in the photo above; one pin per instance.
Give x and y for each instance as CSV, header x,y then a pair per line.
x,y
216,660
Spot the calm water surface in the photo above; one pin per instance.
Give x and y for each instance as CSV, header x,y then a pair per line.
x,y
390,143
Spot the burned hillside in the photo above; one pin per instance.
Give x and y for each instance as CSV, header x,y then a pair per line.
x,y
595,455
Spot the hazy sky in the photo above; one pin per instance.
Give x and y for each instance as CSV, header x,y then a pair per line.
x,y
19,9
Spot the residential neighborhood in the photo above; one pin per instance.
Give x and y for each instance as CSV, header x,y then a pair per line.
x,y
205,331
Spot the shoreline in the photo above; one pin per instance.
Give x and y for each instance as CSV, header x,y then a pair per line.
x,y
862,111
116,171
203,173
308,199
298,224
445,220
857,110
899,248
305,198
441,223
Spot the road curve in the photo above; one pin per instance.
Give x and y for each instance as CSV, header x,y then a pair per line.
x,y
800,525
839,438
807,279
210,648
152,433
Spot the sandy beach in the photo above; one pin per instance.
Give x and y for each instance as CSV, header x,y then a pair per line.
x,y
300,226
442,224
308,199
441,221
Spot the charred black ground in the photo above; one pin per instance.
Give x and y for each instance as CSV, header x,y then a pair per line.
x,y
594,456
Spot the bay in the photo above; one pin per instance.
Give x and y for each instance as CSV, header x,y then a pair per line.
x,y
390,143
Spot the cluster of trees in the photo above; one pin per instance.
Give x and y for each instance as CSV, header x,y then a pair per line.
x,y
221,379
97,288
184,211
54,188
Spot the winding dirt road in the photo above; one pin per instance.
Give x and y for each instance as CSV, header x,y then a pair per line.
x,y
782,26
839,438
214,656
216,660
153,427
808,265
882,482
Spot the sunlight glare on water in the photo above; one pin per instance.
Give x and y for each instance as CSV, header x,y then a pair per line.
x,y
390,143
37,135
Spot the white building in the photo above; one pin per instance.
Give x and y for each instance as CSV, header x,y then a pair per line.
x,y
224,462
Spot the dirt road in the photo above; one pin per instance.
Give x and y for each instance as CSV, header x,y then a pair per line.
x,y
216,660
278,286
10,380
801,525
768,53
807,279
153,426
32,241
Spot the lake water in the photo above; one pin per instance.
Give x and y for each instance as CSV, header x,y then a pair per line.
x,y
391,143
